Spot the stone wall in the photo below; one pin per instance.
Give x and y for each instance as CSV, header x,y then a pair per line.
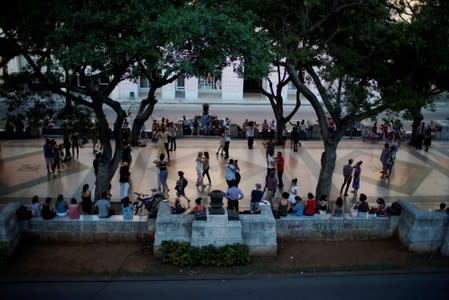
x,y
422,231
90,228
259,232
9,227
348,228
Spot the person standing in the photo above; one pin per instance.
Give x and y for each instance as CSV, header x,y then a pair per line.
x,y
172,131
294,136
199,171
75,144
347,174
221,145
234,195
280,169
270,188
428,138
357,173
421,135
206,167
227,142
384,157
230,173
250,132
270,163
161,165
166,142
180,187
48,155
160,141
67,146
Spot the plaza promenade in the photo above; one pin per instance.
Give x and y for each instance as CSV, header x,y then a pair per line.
x,y
417,176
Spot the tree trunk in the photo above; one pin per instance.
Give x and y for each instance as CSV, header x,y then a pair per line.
x,y
328,159
145,110
279,130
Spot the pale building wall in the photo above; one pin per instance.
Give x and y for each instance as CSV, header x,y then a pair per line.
x,y
191,88
231,85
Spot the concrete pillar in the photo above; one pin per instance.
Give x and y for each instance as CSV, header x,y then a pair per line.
x,y
231,85
169,91
191,88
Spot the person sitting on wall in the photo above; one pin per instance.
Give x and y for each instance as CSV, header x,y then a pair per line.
x,y
298,208
104,205
177,207
362,206
322,205
381,209
337,210
198,208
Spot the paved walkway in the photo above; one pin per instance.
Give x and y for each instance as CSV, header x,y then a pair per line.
x,y
417,176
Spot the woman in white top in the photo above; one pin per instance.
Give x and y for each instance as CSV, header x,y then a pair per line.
x,y
199,170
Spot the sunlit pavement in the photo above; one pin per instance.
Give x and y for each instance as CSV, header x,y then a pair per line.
x,y
421,177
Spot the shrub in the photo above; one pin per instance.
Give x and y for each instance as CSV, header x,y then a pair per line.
x,y
183,254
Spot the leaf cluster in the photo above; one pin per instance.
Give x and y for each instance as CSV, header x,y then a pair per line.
x,y
182,254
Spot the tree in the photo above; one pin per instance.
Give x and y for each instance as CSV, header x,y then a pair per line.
x,y
336,45
420,64
72,48
188,39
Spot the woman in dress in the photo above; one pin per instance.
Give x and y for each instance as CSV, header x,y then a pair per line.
x,y
160,142
356,180
206,166
86,200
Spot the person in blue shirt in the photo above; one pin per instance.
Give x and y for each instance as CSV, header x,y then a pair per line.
x,y
234,195
298,209
256,197
127,209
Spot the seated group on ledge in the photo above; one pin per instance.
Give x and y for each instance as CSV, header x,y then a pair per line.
x,y
297,207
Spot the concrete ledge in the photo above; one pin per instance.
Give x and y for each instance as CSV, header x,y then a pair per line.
x,y
259,232
421,231
9,227
323,228
90,228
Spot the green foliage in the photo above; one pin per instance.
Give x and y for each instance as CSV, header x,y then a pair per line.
x,y
182,254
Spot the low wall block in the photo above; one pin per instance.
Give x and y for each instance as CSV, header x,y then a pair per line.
x,y
422,231
259,232
9,227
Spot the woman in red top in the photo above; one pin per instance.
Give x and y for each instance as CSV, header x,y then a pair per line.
x,y
280,169
309,210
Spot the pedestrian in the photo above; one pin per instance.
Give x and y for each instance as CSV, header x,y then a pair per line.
x,y
75,138
269,147
294,136
270,163
234,195
67,146
384,158
347,174
256,197
48,155
221,145
356,180
161,165
250,132
172,131
230,172
270,187
126,154
388,165
96,163
420,136
160,141
227,142
180,187
199,171
86,200
237,172
206,167
166,142
280,169
124,179
428,138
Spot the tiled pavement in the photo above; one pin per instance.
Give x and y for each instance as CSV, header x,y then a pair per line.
x,y
421,177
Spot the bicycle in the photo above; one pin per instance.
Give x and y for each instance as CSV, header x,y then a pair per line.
x,y
149,201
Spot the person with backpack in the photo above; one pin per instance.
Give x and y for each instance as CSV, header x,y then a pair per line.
x,y
180,187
